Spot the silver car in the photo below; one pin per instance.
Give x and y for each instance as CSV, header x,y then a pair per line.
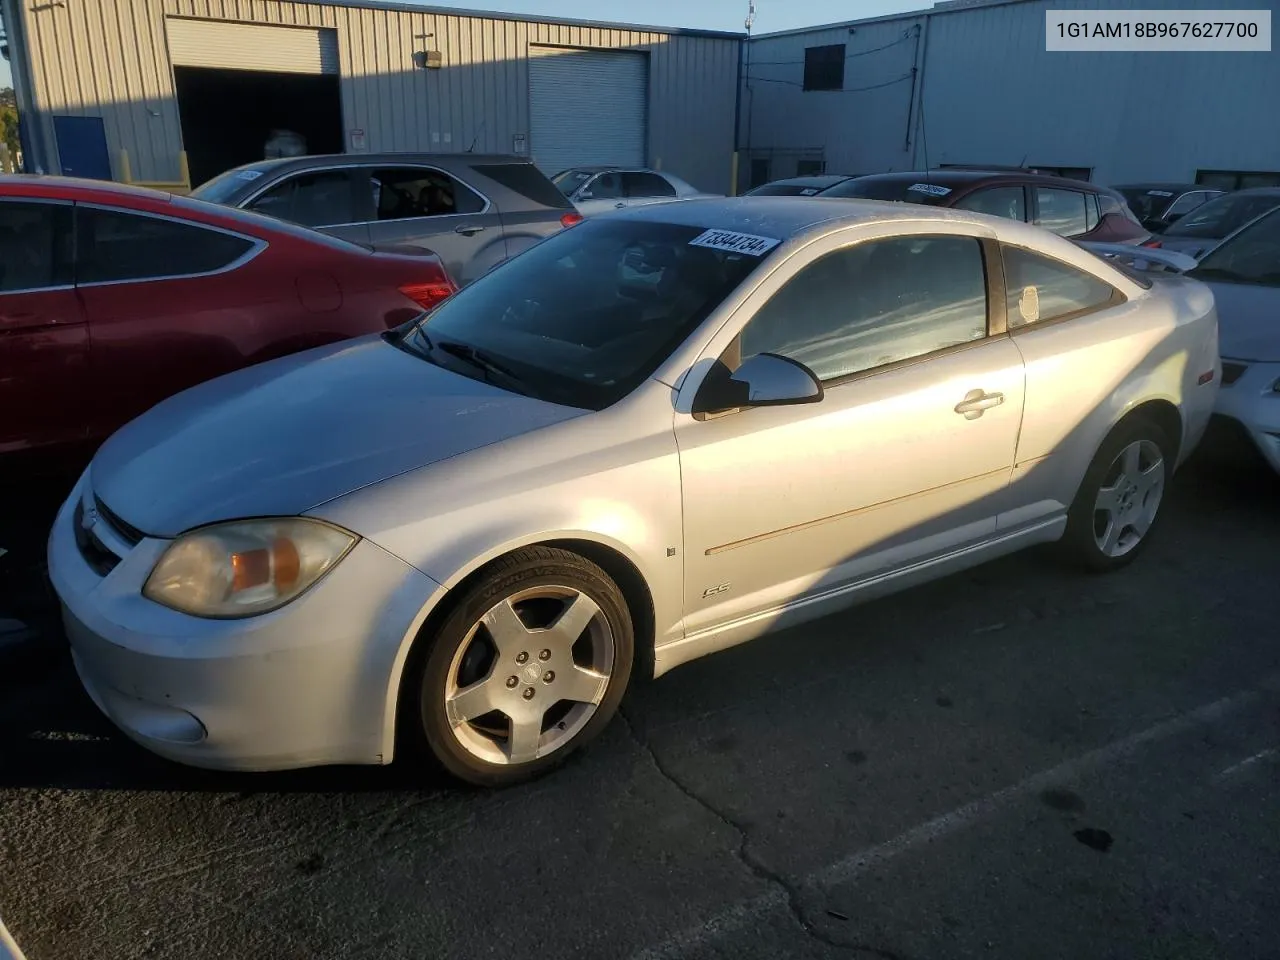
x,y
597,190
1244,274
1205,227
472,210
650,437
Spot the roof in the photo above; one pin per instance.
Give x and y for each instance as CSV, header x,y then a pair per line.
x,y
952,176
49,183
519,18
403,156
782,216
815,180
958,6
1178,185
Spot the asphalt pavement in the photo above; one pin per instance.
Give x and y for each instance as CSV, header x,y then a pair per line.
x,y
1019,761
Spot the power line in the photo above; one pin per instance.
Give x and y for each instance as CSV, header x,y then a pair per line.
x,y
796,83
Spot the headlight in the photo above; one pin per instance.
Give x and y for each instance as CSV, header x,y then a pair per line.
x,y
245,568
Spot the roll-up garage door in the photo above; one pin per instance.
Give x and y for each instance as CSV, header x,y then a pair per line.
x,y
587,107
230,45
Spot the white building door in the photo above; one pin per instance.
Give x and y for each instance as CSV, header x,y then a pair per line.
x,y
587,107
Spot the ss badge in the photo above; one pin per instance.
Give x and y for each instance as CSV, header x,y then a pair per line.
x,y
712,591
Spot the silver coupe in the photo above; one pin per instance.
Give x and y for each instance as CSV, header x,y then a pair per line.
x,y
650,437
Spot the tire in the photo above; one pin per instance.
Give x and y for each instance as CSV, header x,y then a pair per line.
x,y
1105,532
501,696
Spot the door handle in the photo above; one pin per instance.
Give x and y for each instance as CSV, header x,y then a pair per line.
x,y
976,401
469,229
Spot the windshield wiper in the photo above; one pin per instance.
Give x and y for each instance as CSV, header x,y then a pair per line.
x,y
479,359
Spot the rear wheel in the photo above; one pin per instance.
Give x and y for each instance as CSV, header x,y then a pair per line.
x,y
1120,498
528,667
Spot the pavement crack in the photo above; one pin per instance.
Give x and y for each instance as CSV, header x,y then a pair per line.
x,y
744,854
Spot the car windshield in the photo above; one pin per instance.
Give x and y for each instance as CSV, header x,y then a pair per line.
x,y
1251,256
225,186
1222,216
903,190
582,318
570,180
1147,202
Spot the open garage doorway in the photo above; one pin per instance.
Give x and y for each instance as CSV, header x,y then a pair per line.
x,y
239,83
228,115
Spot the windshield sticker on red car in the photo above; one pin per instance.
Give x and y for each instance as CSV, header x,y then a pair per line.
x,y
735,242
249,174
930,188
1029,304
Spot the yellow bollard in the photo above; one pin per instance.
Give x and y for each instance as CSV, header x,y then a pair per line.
x,y
184,171
123,168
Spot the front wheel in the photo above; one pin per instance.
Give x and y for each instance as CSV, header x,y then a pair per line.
x,y
1119,500
530,665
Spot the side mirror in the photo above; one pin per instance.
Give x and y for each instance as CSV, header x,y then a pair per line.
x,y
764,380
1172,218
584,195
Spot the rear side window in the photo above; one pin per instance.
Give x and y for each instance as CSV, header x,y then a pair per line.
x,y
1040,289
34,246
1007,202
320,199
526,180
1061,211
647,185
113,245
1090,211
400,193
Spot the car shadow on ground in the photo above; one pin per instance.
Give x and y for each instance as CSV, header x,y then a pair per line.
x,y
53,737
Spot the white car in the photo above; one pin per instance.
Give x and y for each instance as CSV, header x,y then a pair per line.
x,y
1244,274
8,947
648,438
596,190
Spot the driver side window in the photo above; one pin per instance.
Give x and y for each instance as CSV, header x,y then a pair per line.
x,y
607,186
875,303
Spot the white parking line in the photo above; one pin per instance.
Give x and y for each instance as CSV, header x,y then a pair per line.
x,y
743,913
1246,762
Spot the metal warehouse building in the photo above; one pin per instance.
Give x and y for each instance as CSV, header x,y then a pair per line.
x,y
970,82
144,89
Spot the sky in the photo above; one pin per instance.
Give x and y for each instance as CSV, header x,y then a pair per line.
x,y
706,14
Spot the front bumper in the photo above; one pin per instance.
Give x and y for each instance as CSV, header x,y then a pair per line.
x,y
1252,402
311,683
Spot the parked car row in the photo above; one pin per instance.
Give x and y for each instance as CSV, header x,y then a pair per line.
x,y
596,190
1185,217
472,514
1069,208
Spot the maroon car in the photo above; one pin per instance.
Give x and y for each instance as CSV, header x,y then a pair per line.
x,y
113,298
1070,208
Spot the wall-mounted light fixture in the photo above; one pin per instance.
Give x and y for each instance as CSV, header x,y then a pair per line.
x,y
427,59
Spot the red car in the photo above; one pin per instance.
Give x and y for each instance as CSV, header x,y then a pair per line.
x,y
1075,209
114,297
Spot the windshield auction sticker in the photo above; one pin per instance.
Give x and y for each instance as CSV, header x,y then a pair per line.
x,y
735,242
930,188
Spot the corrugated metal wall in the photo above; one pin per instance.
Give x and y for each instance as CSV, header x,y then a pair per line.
x,y
992,94
109,58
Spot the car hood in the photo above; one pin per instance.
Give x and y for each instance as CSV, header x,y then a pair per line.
x,y
1248,321
282,437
